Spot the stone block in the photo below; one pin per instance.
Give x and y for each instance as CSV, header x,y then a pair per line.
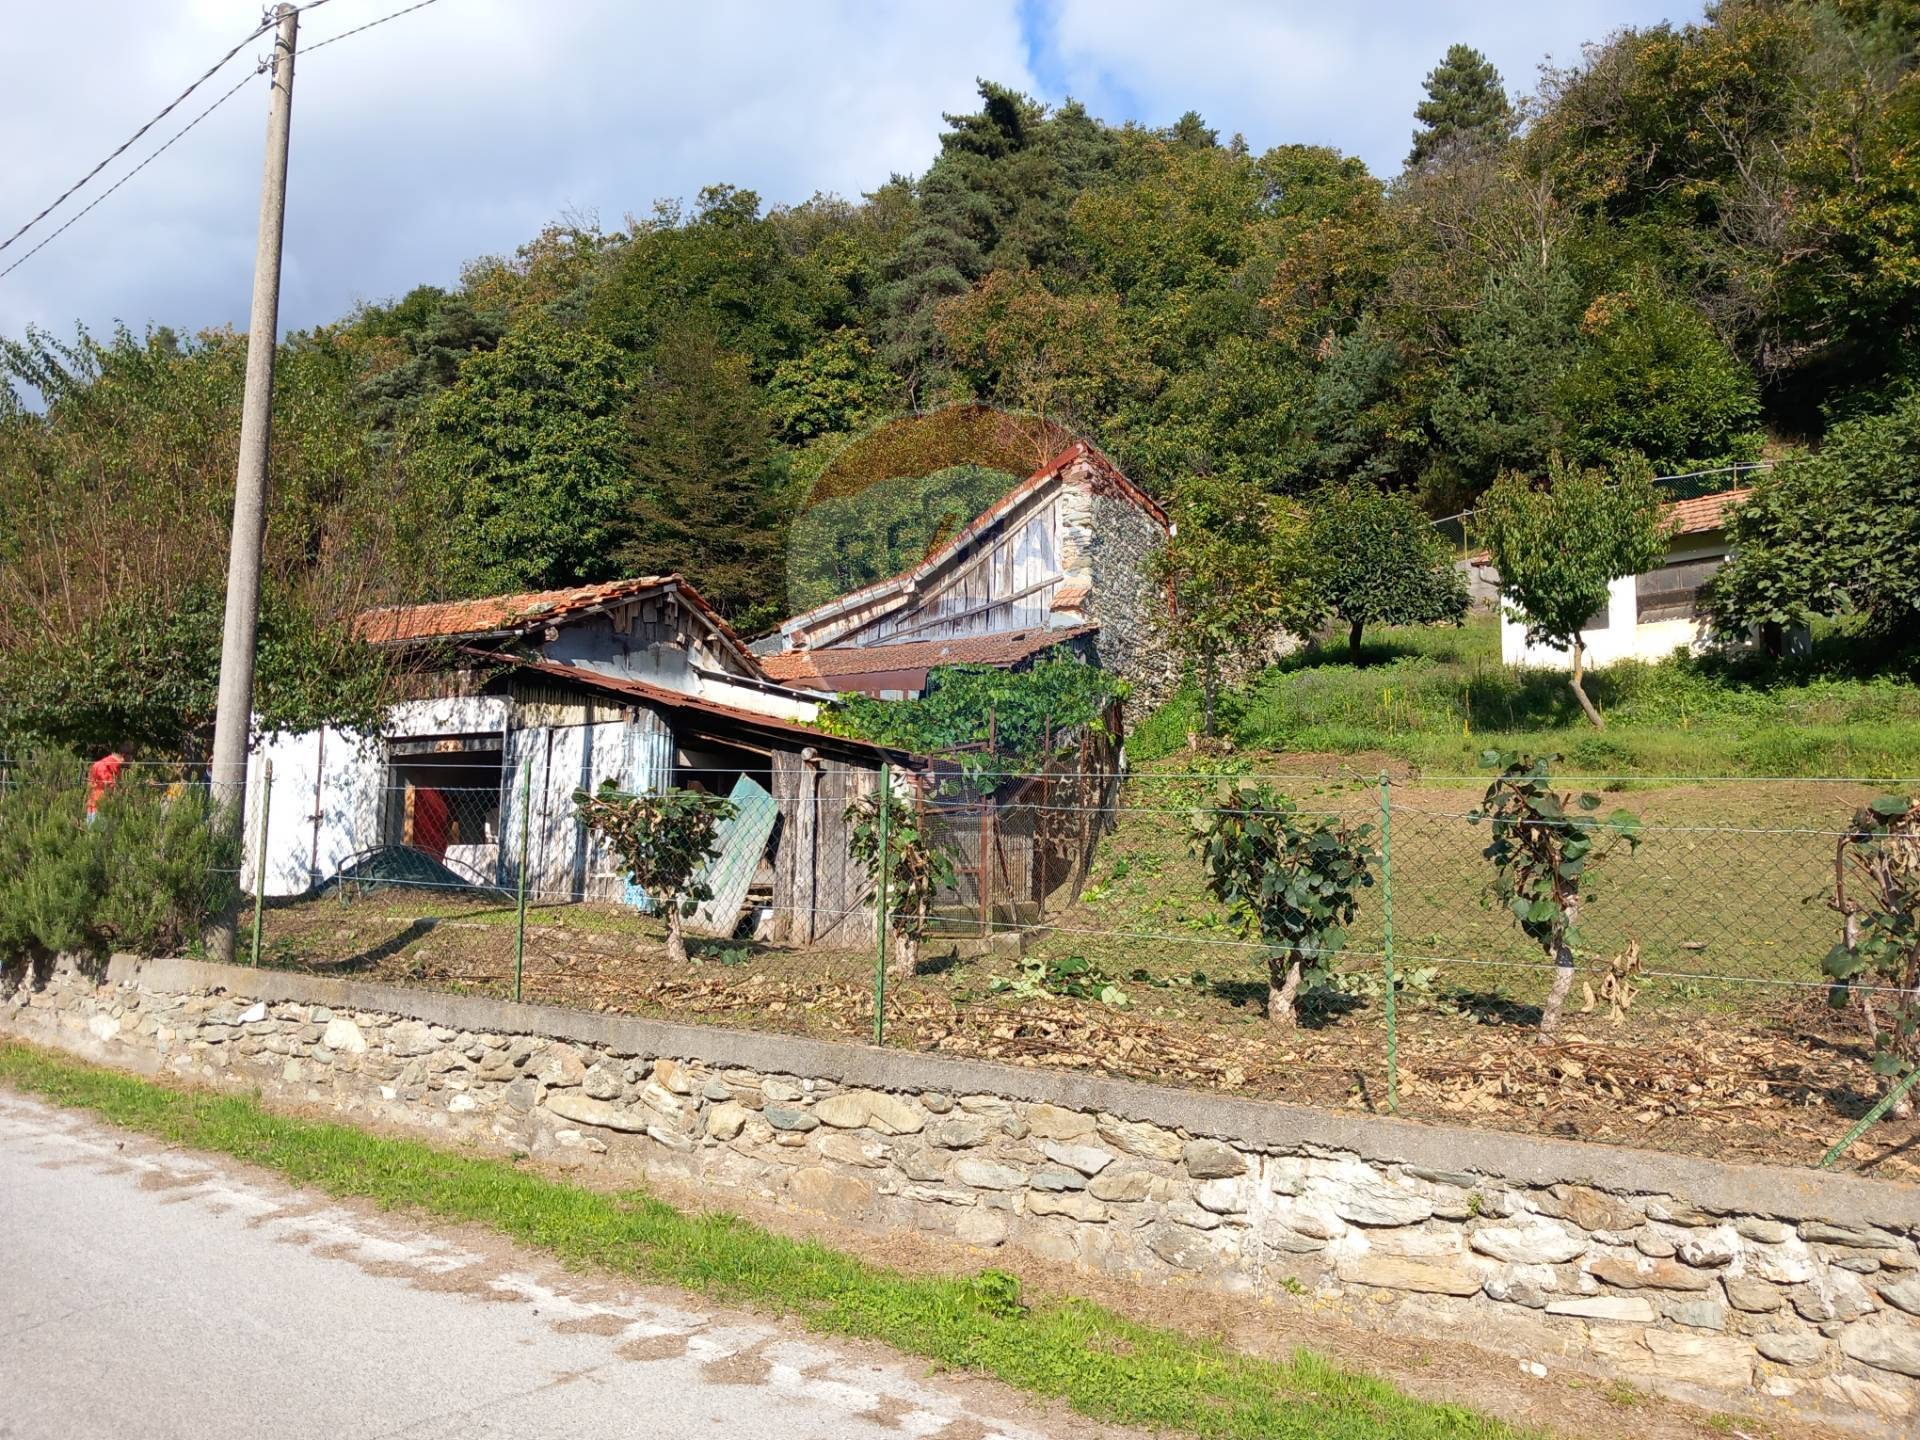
x,y
1121,1185
1860,1237
816,1188
849,1149
987,1174
1182,1248
1089,1160
1883,1344
1624,1308
963,1132
1149,1142
1592,1209
584,1109
1791,1347
1400,1272
1624,1273
559,1067
1212,1160
727,1120
1754,1296
1057,1178
344,1037
1074,1204
871,1110
604,1081
1050,1122
782,1117
1222,1197
984,1228
1833,1296
1536,1241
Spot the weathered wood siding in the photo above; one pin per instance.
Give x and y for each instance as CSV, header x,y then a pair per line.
x,y
820,895
1008,585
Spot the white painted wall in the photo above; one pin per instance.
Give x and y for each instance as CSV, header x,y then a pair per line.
x,y
325,806
1623,637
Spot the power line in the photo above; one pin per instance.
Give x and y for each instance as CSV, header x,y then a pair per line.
x,y
259,69
128,143
344,34
76,218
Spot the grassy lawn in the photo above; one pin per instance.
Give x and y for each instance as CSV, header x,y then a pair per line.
x,y
1438,697
1101,1364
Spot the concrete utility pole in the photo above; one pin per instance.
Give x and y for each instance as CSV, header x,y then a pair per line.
x,y
233,713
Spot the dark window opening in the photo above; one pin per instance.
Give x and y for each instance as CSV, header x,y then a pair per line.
x,y
443,799
1673,591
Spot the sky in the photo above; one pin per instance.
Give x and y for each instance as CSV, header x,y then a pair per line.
x,y
457,131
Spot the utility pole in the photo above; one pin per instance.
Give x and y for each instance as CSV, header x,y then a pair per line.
x,y
233,712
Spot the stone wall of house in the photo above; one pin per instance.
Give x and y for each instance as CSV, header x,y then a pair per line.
x,y
1786,1292
1128,602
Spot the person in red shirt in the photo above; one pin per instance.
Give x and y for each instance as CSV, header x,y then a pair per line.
x,y
102,776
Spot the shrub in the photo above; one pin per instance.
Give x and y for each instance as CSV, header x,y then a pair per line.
x,y
916,871
1287,879
1542,847
1876,890
145,877
662,840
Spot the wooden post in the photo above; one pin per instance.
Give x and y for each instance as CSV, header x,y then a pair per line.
x,y
520,895
260,857
880,909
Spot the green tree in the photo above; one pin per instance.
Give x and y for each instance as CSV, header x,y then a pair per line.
x,y
1229,564
1466,107
527,448
661,840
1832,533
706,478
1373,558
1289,880
1651,378
1560,546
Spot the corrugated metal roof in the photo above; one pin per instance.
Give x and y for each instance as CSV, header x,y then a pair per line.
x,y
676,700
820,669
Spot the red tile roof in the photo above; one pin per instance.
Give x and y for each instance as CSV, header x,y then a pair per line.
x,y
822,669
1705,512
512,614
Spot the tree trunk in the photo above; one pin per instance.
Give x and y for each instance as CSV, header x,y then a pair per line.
x,y
676,937
1209,688
906,956
1562,975
1353,640
1580,690
1283,985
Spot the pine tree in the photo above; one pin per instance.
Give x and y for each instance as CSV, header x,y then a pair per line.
x,y
1466,106
707,478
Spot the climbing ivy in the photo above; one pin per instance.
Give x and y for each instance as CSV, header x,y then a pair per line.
x,y
1876,890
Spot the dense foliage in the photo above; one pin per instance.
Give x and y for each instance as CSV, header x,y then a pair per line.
x,y
1371,557
144,876
1289,879
662,839
990,722
1543,846
1832,534
1690,237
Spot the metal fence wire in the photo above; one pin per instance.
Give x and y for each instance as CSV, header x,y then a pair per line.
x,y
1077,929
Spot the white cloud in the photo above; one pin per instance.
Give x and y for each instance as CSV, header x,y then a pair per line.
x,y
459,130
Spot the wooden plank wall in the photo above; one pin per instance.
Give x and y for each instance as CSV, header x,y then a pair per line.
x,y
1007,586
820,896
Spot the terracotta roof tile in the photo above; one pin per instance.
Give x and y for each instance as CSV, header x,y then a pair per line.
x,y
1705,512
822,668
509,614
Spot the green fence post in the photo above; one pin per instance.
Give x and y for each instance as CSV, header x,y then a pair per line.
x,y
260,856
520,895
1861,1125
1386,947
881,918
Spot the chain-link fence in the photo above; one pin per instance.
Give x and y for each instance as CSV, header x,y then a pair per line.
x,y
1074,925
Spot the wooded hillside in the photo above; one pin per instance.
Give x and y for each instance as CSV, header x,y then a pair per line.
x,y
1693,244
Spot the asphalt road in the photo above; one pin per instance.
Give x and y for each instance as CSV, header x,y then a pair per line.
x,y
145,1292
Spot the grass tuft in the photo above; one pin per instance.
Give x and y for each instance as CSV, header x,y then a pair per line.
x,y
1100,1363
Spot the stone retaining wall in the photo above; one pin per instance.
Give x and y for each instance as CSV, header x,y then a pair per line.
x,y
1782,1291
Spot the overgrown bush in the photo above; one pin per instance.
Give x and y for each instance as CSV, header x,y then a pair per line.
x,y
145,877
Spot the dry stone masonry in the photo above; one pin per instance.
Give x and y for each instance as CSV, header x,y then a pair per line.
x,y
1777,1291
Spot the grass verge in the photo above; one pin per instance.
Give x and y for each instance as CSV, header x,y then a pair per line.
x,y
1101,1364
